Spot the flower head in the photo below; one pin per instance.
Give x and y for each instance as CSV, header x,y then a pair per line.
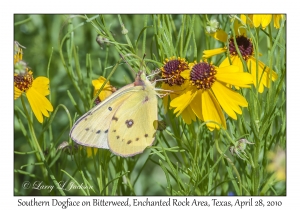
x,y
260,72
35,89
172,75
105,92
206,94
172,69
212,26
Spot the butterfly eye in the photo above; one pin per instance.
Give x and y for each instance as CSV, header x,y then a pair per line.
x,y
109,108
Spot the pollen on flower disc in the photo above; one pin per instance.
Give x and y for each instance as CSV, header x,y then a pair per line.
x,y
203,75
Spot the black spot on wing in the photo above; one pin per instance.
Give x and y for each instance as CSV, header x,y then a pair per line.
x,y
146,135
129,123
98,131
109,108
87,129
106,131
129,142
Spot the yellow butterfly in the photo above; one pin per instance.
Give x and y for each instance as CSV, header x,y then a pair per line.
x,y
125,122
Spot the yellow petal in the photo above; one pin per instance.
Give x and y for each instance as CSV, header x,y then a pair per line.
x,y
244,19
17,93
176,90
104,94
261,75
264,74
196,105
247,19
239,29
277,20
186,75
106,91
182,101
256,20
39,104
228,69
235,61
240,79
220,35
188,115
225,62
31,96
267,70
265,20
210,53
41,84
90,152
212,111
97,83
229,100
252,68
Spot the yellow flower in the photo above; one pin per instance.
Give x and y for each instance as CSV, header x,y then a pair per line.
x,y
105,92
263,20
260,72
207,94
173,81
35,89
277,163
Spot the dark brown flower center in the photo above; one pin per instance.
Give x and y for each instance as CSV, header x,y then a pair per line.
x,y
97,101
244,44
171,71
203,75
23,81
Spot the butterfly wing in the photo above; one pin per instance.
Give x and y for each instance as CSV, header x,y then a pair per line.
x,y
92,128
132,128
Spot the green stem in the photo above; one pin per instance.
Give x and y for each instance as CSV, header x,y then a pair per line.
x,y
231,163
268,184
40,154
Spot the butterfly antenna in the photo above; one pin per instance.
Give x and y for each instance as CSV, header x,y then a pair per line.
x,y
142,60
127,63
